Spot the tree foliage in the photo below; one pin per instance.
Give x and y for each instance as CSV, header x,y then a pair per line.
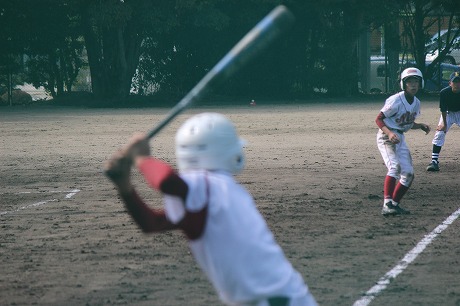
x,y
419,17
166,46
49,40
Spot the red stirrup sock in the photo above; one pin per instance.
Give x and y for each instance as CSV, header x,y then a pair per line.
x,y
389,187
399,192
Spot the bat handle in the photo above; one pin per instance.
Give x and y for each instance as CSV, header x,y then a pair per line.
x,y
171,115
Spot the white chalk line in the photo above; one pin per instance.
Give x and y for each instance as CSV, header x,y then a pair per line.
x,y
383,282
39,191
68,195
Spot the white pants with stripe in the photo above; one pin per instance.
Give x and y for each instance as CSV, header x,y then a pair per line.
x,y
396,157
451,119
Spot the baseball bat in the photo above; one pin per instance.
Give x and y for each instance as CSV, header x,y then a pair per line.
x,y
253,43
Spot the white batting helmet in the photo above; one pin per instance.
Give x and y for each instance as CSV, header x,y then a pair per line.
x,y
209,141
411,72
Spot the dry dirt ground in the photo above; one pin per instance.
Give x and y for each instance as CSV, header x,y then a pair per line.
x,y
315,173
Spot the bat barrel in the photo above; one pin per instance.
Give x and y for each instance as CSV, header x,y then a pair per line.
x,y
253,43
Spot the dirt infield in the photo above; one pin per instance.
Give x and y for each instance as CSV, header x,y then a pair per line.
x,y
315,173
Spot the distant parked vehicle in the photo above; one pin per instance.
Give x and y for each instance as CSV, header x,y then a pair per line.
x,y
379,78
453,57
446,70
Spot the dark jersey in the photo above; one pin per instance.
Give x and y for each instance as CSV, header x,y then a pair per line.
x,y
449,101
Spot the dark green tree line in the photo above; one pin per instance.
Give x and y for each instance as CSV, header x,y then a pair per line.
x,y
167,46
45,35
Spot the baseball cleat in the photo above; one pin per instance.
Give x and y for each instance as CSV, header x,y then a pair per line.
x,y
389,209
434,166
400,210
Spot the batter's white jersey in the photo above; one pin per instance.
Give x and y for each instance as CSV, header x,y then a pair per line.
x,y
399,117
237,251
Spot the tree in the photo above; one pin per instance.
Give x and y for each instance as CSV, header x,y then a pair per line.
x,y
12,45
331,40
114,31
49,39
168,46
198,35
55,47
419,16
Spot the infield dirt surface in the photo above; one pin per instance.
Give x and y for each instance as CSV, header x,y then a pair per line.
x,y
314,170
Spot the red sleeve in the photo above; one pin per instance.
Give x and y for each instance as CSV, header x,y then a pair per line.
x,y
149,220
162,177
379,120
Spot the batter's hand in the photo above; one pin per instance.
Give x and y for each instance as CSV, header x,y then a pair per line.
x,y
425,127
118,168
441,127
138,146
393,138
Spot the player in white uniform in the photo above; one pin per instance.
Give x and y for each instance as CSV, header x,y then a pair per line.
x,y
227,235
395,118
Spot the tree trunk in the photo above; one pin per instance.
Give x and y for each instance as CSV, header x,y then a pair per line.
x,y
113,57
392,50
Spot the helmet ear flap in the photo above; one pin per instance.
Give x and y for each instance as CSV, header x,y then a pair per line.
x,y
422,84
411,71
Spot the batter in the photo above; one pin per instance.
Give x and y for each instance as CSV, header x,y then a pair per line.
x,y
227,235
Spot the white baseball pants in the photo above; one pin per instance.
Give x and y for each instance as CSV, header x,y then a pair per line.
x,y
396,157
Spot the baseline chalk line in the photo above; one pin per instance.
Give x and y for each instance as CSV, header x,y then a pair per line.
x,y
69,194
40,191
404,263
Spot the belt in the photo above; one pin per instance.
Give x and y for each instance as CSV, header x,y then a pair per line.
x,y
396,130
278,301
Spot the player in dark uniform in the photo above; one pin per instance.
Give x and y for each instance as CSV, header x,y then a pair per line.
x,y
449,104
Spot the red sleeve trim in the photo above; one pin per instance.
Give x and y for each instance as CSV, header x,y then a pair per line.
x,y
149,220
194,223
379,120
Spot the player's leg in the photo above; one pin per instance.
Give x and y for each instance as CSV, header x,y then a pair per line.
x,y
407,176
456,118
439,139
390,158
